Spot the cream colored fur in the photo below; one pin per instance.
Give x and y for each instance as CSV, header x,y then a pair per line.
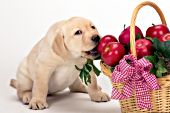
x,y
50,66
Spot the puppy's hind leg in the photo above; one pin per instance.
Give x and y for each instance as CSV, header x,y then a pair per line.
x,y
24,89
25,96
23,93
23,84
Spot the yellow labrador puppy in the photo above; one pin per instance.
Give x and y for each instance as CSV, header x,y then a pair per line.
x,y
50,66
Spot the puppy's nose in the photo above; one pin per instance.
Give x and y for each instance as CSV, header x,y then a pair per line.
x,y
95,38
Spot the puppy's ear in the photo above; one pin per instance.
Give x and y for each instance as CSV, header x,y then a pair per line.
x,y
58,45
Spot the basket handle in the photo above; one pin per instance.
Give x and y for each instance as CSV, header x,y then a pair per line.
x,y
133,20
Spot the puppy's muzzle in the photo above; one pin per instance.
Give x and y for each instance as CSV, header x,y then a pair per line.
x,y
95,38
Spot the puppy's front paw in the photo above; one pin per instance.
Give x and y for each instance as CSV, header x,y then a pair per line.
x,y
99,96
37,104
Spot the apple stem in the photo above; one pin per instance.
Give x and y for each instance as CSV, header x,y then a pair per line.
x,y
124,26
153,24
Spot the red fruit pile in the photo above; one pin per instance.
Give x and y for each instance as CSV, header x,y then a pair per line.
x,y
143,48
157,31
124,37
165,37
104,41
112,51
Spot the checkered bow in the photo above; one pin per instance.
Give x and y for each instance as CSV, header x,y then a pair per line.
x,y
134,74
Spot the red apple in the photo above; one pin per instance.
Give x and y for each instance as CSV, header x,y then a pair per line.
x,y
156,31
104,41
165,37
113,53
143,48
124,37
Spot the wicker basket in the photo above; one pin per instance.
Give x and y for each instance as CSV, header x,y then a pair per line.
x,y
160,99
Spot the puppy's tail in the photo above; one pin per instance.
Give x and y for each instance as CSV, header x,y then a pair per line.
x,y
13,83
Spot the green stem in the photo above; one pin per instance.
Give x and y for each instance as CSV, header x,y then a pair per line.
x,y
124,26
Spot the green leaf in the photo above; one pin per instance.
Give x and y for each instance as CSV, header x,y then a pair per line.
x,y
98,58
87,74
85,71
85,79
161,68
160,57
153,70
160,71
152,59
138,36
112,69
127,47
163,48
96,70
167,50
88,67
89,61
149,38
159,46
77,68
82,75
161,63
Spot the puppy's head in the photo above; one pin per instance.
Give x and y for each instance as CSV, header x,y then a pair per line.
x,y
81,37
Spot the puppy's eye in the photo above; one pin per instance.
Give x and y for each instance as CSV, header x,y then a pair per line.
x,y
93,27
78,32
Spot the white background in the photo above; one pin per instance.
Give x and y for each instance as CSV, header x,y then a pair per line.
x,y
24,22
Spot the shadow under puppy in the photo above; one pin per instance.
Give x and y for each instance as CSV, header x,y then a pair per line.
x,y
50,66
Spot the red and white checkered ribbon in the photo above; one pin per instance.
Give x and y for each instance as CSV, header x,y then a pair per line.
x,y
134,75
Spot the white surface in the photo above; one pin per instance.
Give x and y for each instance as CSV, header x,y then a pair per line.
x,y
64,102
24,22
